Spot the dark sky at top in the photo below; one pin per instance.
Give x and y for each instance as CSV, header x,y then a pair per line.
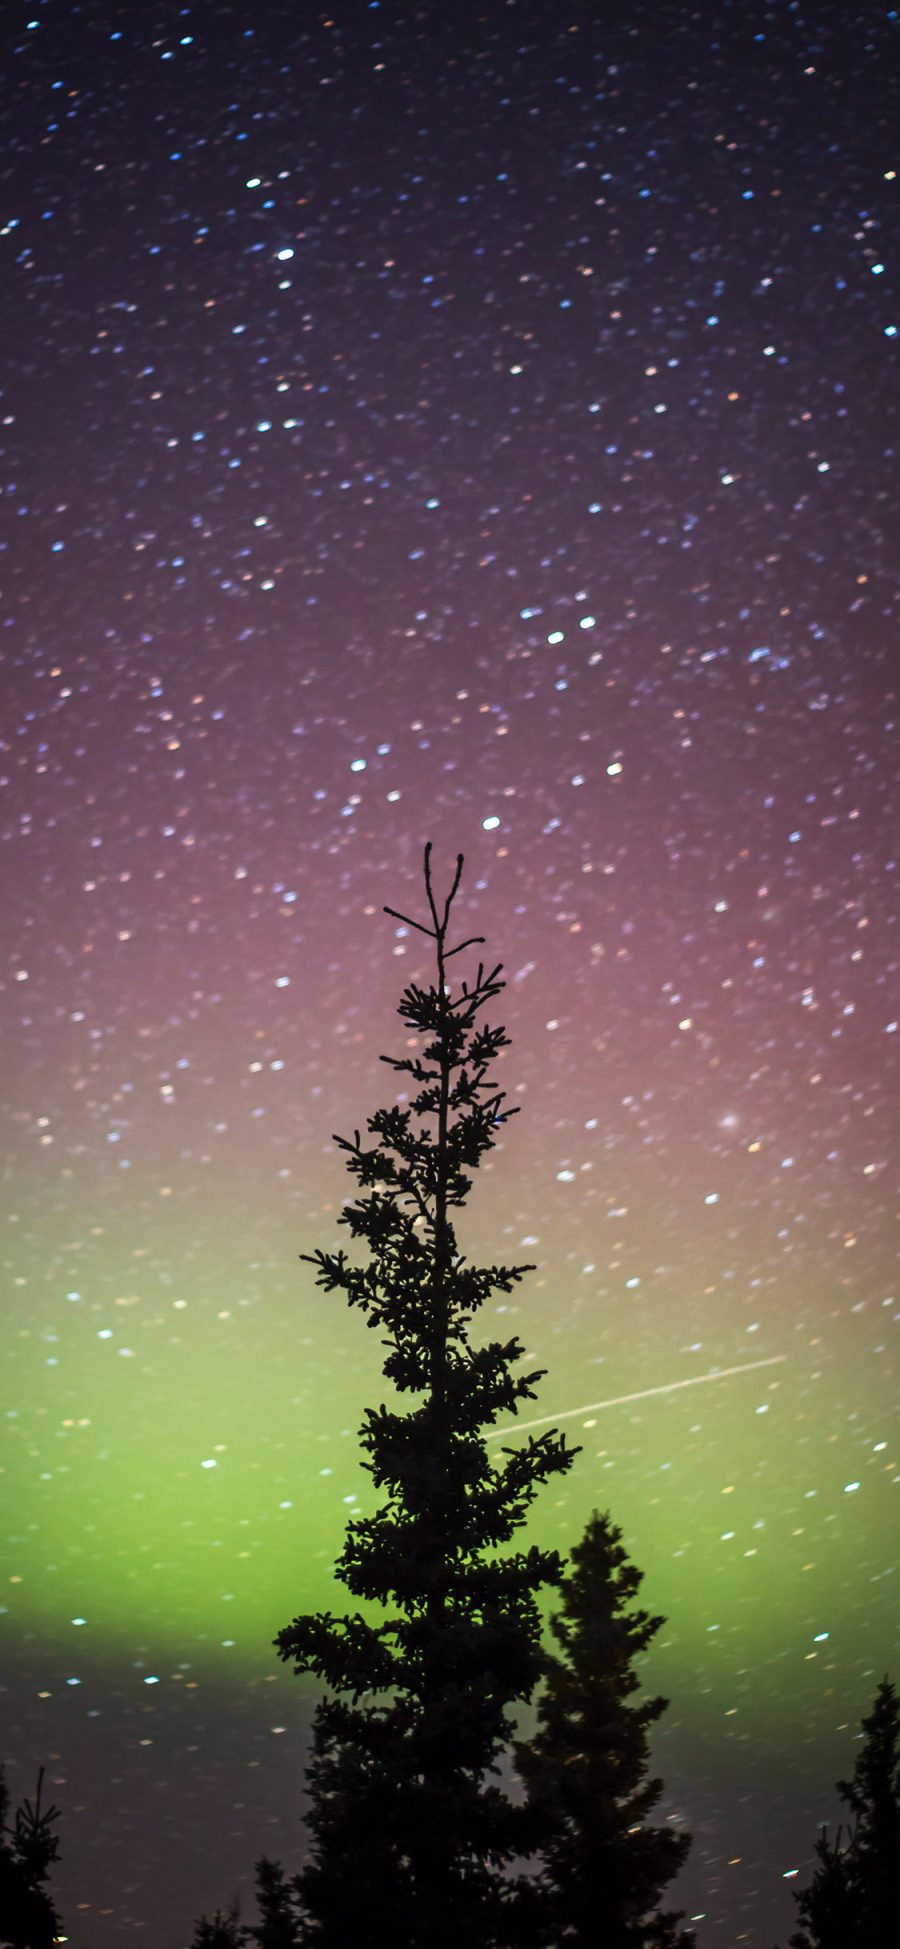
x,y
475,424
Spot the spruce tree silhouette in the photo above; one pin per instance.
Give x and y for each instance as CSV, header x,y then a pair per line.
x,y
586,1769
279,1923
827,1905
853,1900
224,1931
409,1830
28,1917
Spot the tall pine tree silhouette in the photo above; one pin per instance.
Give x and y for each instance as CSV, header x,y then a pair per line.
x,y
589,1794
853,1900
409,1828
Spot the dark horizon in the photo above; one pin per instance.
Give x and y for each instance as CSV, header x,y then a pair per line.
x,y
477,426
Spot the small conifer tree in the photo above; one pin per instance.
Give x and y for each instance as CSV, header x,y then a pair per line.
x,y
409,1829
827,1904
28,1917
223,1931
853,1899
279,1923
586,1769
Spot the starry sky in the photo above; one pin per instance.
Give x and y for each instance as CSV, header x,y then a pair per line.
x,y
473,424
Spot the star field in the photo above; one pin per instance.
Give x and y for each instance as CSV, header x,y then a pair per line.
x,y
478,426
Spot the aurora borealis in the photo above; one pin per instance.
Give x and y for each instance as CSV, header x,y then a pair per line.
x,y
477,425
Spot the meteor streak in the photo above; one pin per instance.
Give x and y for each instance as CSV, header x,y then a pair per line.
x,y
644,1393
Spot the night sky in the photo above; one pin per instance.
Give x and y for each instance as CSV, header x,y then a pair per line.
x,y
476,425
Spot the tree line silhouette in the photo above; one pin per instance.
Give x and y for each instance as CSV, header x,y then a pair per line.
x,y
414,1839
